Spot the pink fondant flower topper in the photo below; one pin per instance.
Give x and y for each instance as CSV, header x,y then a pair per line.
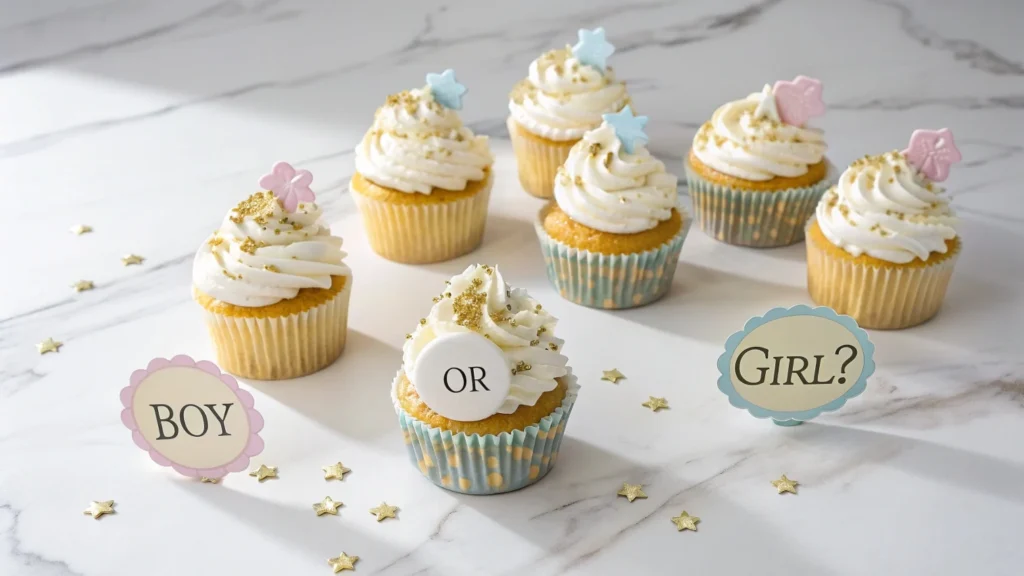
x,y
799,100
291,186
932,152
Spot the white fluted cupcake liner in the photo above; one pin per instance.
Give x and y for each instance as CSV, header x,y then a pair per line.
x,y
277,348
878,297
537,160
487,464
422,233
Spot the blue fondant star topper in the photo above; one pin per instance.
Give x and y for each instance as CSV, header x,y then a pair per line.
x,y
628,128
446,89
593,49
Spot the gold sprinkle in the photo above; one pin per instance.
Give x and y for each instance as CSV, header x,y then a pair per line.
x,y
270,268
215,241
537,308
230,275
81,229
541,330
259,207
534,342
131,259
82,285
522,366
249,246
423,321
277,231
408,336
468,308
435,299
594,149
578,181
553,346
512,322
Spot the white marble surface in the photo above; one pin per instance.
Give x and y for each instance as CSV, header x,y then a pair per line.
x,y
147,120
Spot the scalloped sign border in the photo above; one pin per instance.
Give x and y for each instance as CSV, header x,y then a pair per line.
x,y
725,383
253,446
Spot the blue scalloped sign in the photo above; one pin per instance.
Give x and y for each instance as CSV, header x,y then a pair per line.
x,y
792,364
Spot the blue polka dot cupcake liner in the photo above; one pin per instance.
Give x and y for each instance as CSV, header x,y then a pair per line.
x,y
611,281
488,464
759,219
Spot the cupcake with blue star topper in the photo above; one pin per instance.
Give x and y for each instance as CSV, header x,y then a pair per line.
x,y
423,179
563,97
612,237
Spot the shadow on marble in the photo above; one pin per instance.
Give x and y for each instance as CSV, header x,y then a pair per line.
x,y
350,396
502,246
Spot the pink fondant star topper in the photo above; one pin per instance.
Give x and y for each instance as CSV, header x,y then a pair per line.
x,y
291,186
799,100
932,152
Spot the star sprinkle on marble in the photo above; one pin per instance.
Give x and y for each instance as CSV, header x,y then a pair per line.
x,y
785,485
384,511
798,101
335,471
207,480
49,345
932,152
326,506
80,229
612,375
343,562
131,259
98,509
628,128
446,89
655,404
593,49
83,285
632,491
686,522
264,472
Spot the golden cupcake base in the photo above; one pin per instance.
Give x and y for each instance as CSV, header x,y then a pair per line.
x,y
538,159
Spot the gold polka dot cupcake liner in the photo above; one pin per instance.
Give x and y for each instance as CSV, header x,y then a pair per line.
x,y
425,233
538,160
758,219
488,464
889,297
611,281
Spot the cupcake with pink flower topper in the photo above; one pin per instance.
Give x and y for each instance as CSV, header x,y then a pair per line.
x,y
883,242
756,170
272,282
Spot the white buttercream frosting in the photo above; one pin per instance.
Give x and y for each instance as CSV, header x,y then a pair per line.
x,y
416,145
885,208
747,139
478,300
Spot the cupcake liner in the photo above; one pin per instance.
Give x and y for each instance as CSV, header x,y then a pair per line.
x,y
611,281
760,219
285,346
883,298
488,464
538,160
426,232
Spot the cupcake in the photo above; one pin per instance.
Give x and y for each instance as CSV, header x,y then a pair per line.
x,y
563,97
422,179
504,432
756,171
883,242
612,237
272,283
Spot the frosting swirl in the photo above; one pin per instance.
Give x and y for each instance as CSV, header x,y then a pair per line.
x,y
562,98
747,139
262,254
885,208
478,300
416,145
605,188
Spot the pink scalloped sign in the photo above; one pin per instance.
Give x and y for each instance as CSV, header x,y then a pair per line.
x,y
192,417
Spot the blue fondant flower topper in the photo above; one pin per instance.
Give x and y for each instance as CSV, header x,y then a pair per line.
x,y
593,49
628,128
446,89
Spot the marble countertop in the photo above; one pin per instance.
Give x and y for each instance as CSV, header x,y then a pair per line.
x,y
147,120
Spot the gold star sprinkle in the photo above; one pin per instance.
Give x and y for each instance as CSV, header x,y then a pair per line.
x,y
97,509
81,229
384,511
264,472
49,345
632,491
655,404
343,562
686,522
785,485
83,285
326,506
612,375
130,259
335,471
206,480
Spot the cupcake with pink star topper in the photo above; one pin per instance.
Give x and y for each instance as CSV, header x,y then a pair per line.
x,y
883,242
756,170
272,282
